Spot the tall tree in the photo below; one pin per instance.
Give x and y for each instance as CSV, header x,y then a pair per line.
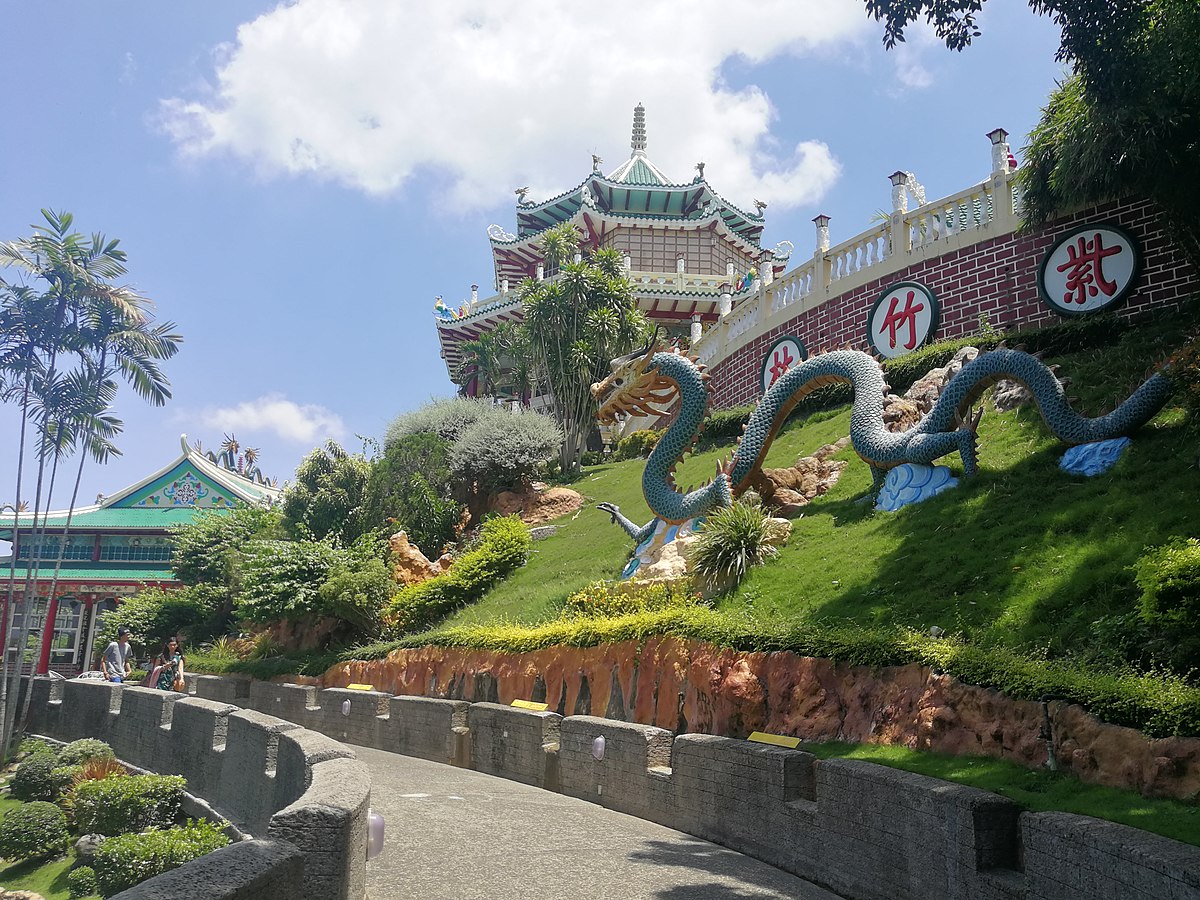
x,y
1127,121
328,495
67,309
576,322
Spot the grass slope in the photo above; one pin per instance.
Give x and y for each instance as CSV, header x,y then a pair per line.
x,y
1021,556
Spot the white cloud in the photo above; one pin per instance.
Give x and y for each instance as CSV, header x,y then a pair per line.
x,y
129,68
304,423
494,95
911,57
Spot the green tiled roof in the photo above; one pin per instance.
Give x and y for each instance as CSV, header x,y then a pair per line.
x,y
135,519
640,173
91,573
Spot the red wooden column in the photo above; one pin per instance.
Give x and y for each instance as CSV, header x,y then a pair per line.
x,y
43,664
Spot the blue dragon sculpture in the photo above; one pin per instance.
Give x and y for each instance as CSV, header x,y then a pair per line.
x,y
648,381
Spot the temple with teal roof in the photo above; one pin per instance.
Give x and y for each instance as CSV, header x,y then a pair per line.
x,y
120,544
688,251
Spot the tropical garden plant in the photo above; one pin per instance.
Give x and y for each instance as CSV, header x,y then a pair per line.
x,y
68,334
575,323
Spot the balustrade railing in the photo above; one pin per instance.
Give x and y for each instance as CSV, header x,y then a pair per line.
x,y
981,212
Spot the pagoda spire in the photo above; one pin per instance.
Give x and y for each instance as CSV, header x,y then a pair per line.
x,y
639,129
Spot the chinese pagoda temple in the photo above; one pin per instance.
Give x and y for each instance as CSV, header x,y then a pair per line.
x,y
118,546
688,251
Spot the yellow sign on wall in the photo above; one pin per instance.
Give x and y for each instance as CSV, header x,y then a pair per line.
x,y
778,740
529,704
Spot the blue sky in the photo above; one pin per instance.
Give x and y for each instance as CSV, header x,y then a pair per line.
x,y
295,183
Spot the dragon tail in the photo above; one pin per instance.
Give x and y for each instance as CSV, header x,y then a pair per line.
x,y
1068,425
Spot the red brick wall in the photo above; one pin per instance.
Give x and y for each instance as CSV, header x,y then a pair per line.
x,y
997,277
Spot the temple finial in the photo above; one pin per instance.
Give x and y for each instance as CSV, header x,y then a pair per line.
x,y
639,129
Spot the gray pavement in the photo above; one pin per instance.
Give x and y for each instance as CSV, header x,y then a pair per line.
x,y
455,834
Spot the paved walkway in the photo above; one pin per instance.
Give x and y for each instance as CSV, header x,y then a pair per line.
x,y
454,834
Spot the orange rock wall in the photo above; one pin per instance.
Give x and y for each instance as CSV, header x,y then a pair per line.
x,y
695,687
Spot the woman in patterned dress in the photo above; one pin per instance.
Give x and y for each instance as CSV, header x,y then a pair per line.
x,y
170,667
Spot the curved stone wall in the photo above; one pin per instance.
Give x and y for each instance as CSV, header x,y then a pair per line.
x,y
301,796
866,831
996,277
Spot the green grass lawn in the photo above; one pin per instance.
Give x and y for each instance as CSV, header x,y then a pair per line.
x,y
1022,555
46,878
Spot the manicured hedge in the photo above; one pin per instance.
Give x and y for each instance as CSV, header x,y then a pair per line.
x,y
503,546
33,831
128,860
1159,705
127,803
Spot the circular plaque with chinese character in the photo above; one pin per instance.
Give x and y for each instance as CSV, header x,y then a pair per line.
x,y
903,318
1088,269
784,353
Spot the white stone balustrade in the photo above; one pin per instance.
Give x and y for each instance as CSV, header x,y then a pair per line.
x,y
978,213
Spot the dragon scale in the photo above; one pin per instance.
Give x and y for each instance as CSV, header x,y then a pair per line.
x,y
644,378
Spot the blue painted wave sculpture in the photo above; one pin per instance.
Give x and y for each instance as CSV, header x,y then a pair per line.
x,y
911,483
1095,458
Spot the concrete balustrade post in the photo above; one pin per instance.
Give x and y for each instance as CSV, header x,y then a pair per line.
x,y
898,236
1000,184
697,330
820,277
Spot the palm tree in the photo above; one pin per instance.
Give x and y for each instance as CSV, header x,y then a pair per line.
x,y
575,323
481,359
80,312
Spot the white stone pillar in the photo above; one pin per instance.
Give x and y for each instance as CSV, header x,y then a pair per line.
x,y
822,223
541,271
680,265
820,279
898,237
999,139
697,330
474,293
628,263
725,304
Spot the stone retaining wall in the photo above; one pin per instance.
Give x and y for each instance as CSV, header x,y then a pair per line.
x,y
691,686
301,796
866,831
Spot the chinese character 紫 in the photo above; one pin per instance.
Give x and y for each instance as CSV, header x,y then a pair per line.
x,y
1085,260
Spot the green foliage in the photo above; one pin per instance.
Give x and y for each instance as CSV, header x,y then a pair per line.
x,y
208,551
327,497
637,445
154,615
503,546
447,419
607,598
410,487
732,540
81,882
723,426
36,778
1169,577
34,831
358,588
503,448
282,579
30,746
82,750
574,325
129,859
1185,376
127,803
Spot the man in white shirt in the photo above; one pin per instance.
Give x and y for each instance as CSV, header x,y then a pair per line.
x,y
115,662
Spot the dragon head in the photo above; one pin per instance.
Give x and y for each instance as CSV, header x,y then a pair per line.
x,y
634,386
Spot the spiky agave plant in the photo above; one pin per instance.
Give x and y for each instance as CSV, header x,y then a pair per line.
x,y
733,540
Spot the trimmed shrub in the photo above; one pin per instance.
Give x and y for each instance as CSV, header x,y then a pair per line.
x,y
1169,577
35,778
503,448
637,445
607,598
29,746
78,752
503,546
127,803
33,831
732,540
81,882
128,860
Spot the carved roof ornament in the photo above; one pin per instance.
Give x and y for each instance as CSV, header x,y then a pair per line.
x,y
521,192
597,162
700,169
